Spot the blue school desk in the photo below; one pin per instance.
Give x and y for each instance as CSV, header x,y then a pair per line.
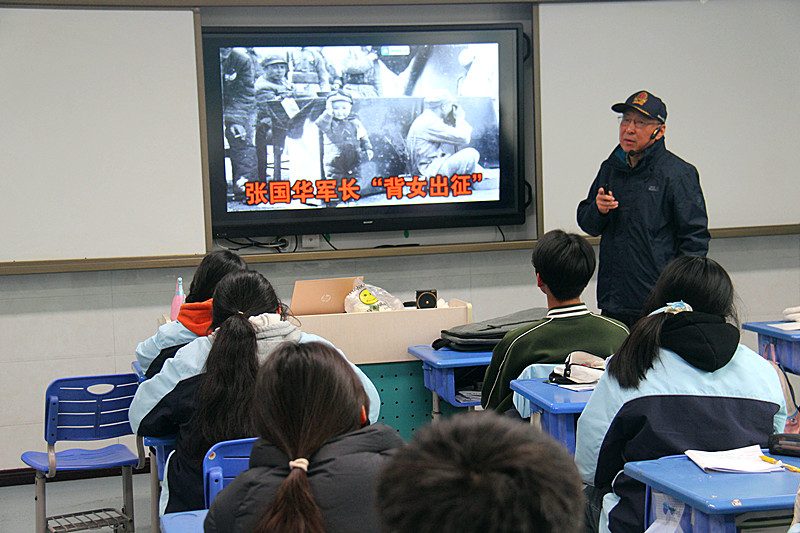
x,y
446,371
786,343
557,408
715,499
186,522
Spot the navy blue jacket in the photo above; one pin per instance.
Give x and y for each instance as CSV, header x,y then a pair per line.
x,y
661,215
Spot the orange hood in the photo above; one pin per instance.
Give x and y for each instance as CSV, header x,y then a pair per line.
x,y
196,317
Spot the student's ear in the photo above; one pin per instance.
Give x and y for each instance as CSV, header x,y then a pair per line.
x,y
539,282
363,416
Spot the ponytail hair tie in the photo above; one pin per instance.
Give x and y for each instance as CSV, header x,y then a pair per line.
x,y
300,463
673,308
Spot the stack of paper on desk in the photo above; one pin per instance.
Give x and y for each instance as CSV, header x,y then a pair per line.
x,y
577,387
746,460
786,326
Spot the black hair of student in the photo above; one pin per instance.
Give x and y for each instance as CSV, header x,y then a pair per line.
x,y
225,409
306,394
214,266
245,292
565,262
481,473
700,282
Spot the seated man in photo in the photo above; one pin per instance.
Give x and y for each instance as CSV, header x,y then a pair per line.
x,y
564,264
437,139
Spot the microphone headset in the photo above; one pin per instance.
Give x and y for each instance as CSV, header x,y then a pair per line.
x,y
653,136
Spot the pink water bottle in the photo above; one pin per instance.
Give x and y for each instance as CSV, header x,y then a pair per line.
x,y
177,300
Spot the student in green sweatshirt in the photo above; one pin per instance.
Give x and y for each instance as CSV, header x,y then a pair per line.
x,y
564,264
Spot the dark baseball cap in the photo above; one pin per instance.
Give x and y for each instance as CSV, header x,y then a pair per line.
x,y
644,102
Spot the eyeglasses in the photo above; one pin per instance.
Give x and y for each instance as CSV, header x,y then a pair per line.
x,y
637,123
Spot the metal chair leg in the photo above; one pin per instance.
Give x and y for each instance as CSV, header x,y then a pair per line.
x,y
155,492
41,503
127,495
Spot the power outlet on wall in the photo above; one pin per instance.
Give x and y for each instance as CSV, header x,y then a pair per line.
x,y
309,241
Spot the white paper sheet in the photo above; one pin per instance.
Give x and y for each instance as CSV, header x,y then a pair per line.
x,y
786,326
744,460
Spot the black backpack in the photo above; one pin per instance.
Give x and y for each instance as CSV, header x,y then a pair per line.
x,y
484,336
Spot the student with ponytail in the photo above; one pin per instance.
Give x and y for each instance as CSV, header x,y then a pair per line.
x,y
194,318
205,393
680,381
315,466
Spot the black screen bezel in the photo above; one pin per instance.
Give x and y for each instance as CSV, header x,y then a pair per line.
x,y
509,209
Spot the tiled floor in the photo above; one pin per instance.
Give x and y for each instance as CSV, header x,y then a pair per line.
x,y
17,503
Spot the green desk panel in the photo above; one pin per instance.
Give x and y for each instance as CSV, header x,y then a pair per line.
x,y
405,402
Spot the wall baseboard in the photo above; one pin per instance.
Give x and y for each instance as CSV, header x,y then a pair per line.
x,y
27,476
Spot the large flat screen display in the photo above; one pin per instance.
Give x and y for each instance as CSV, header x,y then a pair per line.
x,y
328,130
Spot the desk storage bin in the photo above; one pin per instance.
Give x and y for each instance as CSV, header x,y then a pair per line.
x,y
448,381
786,343
684,518
787,352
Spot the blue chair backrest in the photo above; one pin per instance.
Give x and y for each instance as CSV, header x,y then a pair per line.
x,y
89,407
223,462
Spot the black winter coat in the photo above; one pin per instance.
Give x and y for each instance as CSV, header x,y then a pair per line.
x,y
343,475
661,215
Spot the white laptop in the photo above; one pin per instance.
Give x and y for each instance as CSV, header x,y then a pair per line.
x,y
321,296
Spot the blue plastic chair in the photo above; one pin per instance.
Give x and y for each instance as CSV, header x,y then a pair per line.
x,y
89,408
137,368
185,522
222,463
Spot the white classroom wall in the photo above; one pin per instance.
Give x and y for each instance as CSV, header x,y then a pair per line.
x,y
54,325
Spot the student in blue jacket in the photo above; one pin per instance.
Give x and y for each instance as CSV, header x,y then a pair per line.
x,y
194,318
205,393
680,381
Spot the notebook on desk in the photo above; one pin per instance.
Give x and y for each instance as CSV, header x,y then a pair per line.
x,y
321,296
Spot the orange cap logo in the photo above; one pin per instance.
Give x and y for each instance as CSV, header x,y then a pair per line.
x,y
640,99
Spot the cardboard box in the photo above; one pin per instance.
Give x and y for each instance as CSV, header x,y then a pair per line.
x,y
384,337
